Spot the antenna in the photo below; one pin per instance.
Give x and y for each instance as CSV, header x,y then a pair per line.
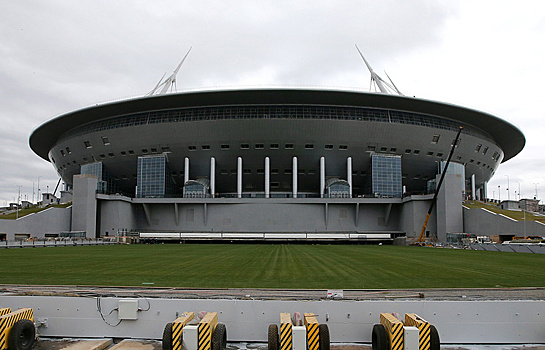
x,y
168,82
383,86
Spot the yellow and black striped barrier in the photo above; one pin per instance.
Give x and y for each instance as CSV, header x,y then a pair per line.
x,y
7,322
205,330
177,329
4,311
313,332
394,328
286,337
424,336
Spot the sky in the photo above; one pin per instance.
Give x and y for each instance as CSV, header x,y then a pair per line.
x,y
58,56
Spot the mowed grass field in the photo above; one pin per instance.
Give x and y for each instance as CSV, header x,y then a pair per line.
x,y
270,266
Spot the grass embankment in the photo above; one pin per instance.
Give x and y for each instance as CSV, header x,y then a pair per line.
x,y
271,266
513,214
27,211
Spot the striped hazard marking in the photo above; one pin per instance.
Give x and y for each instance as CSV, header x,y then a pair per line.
x,y
286,338
8,320
205,329
395,330
313,333
423,326
4,311
177,329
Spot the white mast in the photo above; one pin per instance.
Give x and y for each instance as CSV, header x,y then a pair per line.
x,y
168,82
383,86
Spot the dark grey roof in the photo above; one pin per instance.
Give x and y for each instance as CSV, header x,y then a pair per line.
x,y
507,136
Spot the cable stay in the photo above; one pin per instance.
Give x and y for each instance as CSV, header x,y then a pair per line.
x,y
170,82
382,85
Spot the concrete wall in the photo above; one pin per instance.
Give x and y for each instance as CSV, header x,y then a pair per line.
x,y
116,215
413,216
49,221
486,223
84,203
449,212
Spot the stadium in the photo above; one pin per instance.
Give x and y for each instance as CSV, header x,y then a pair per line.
x,y
278,163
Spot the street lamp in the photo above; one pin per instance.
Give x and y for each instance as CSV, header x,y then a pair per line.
x,y
508,197
499,193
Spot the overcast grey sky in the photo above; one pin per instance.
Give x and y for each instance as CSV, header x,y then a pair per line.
x,y
57,56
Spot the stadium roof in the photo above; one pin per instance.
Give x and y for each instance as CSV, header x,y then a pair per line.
x,y
507,136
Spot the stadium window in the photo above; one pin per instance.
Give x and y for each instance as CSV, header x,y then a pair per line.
x,y
261,171
343,147
87,144
62,153
165,149
393,149
311,172
105,140
144,150
439,154
131,152
244,146
205,147
123,153
68,150
154,150
102,156
383,149
328,147
459,158
275,184
471,160
485,150
416,151
224,172
53,160
259,146
287,171
274,146
288,146
192,148
301,171
111,155
274,171
225,147
309,146
429,153
407,151
247,171
478,148
371,148
478,163
435,139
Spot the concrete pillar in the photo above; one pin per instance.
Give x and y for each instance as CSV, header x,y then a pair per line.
x,y
267,177
294,173
485,190
239,177
186,170
322,176
84,205
349,173
473,187
212,177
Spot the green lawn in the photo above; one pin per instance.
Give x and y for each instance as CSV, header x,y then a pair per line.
x,y
271,266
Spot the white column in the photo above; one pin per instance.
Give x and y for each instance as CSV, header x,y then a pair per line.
x,y
186,170
267,177
485,190
349,173
322,177
294,177
212,177
239,177
473,187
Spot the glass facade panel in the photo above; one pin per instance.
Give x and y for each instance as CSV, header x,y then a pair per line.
x,y
386,175
105,183
153,179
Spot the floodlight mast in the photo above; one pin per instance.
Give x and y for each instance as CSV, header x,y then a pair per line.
x,y
383,86
168,82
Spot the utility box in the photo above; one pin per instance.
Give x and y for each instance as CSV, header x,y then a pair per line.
x,y
410,338
128,309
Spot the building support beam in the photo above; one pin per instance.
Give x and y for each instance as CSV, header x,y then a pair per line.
x,y
322,176
349,174
326,214
473,194
186,170
387,213
294,173
357,215
239,177
147,212
205,214
267,177
176,214
212,177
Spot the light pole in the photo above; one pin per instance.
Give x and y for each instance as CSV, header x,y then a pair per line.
x,y
508,197
499,193
18,199
33,193
535,185
38,198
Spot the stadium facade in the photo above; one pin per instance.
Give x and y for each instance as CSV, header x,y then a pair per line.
x,y
272,164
